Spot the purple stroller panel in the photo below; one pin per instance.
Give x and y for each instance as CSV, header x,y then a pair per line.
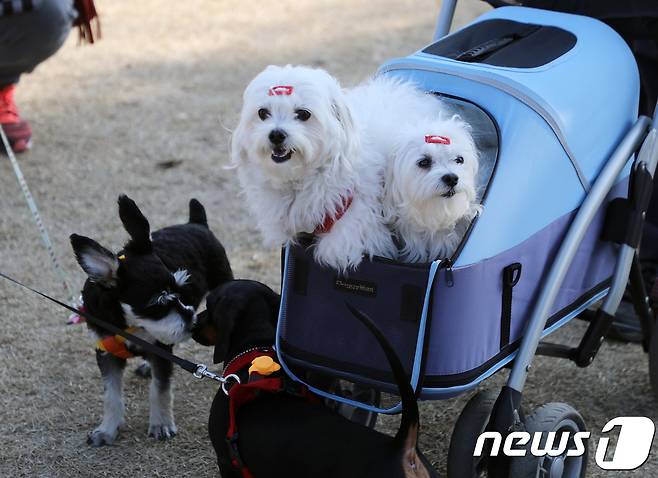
x,y
450,328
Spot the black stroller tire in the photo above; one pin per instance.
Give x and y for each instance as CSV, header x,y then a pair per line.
x,y
470,425
552,417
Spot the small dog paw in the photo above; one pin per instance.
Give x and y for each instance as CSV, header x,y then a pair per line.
x,y
100,437
162,432
144,370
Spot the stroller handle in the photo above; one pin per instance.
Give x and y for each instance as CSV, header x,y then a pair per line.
x,y
444,20
447,13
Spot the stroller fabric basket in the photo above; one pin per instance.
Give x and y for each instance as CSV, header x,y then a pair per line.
x,y
535,86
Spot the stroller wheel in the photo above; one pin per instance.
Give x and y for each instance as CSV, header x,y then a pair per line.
x,y
552,417
471,423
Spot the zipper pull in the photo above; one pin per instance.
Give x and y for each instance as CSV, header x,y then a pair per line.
x,y
449,276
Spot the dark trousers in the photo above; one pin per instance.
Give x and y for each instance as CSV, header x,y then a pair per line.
x,y
29,37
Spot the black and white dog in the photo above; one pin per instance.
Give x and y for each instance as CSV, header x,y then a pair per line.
x,y
152,287
282,435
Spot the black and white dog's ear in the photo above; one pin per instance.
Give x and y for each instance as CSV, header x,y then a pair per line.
x,y
100,264
135,223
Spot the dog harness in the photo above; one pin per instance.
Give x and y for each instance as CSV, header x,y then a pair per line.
x,y
76,318
331,219
265,376
116,345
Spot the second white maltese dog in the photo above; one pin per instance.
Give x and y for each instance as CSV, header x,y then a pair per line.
x,y
304,166
431,190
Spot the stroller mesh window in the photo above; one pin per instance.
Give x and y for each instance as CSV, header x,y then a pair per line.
x,y
485,136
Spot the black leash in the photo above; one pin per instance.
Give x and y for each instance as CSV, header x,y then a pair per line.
x,y
199,370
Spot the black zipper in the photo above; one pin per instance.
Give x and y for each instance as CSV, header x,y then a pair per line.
x,y
447,265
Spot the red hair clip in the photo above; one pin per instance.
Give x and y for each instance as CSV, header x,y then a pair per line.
x,y
434,139
280,90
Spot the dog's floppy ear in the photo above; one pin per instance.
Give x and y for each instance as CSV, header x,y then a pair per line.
x,y
224,314
274,302
246,310
100,264
342,113
238,152
135,224
204,332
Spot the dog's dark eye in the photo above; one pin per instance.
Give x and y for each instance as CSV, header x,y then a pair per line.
x,y
425,162
263,114
459,160
303,115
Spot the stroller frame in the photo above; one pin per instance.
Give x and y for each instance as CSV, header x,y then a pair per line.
x,y
642,140
632,156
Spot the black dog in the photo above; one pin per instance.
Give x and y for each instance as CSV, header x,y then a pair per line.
x,y
281,435
152,288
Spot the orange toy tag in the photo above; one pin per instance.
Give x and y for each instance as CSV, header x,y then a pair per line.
x,y
264,365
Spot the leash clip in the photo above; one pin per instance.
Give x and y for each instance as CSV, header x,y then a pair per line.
x,y
203,372
226,379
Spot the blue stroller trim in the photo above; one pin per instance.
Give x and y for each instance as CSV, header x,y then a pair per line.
x,y
415,376
459,340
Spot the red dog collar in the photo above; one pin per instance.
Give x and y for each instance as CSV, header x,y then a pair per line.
x,y
329,219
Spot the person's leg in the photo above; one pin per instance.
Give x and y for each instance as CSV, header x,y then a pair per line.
x,y
27,39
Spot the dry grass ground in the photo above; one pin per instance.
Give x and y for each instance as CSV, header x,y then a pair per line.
x,y
142,112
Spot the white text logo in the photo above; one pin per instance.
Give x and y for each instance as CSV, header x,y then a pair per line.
x,y
631,451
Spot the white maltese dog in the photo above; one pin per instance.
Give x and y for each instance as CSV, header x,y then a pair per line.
x,y
431,190
304,166
383,103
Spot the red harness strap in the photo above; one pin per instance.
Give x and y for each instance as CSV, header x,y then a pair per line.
x,y
331,219
242,393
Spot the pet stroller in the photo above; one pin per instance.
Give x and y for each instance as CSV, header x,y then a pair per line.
x,y
566,175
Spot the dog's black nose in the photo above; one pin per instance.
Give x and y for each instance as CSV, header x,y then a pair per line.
x,y
450,180
277,136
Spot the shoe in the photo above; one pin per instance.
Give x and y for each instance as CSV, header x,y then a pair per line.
x,y
16,129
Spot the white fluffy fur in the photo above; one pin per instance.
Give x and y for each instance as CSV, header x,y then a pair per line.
x,y
330,159
396,116
381,105
171,329
429,225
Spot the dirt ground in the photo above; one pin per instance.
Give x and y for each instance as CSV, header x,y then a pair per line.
x,y
146,112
